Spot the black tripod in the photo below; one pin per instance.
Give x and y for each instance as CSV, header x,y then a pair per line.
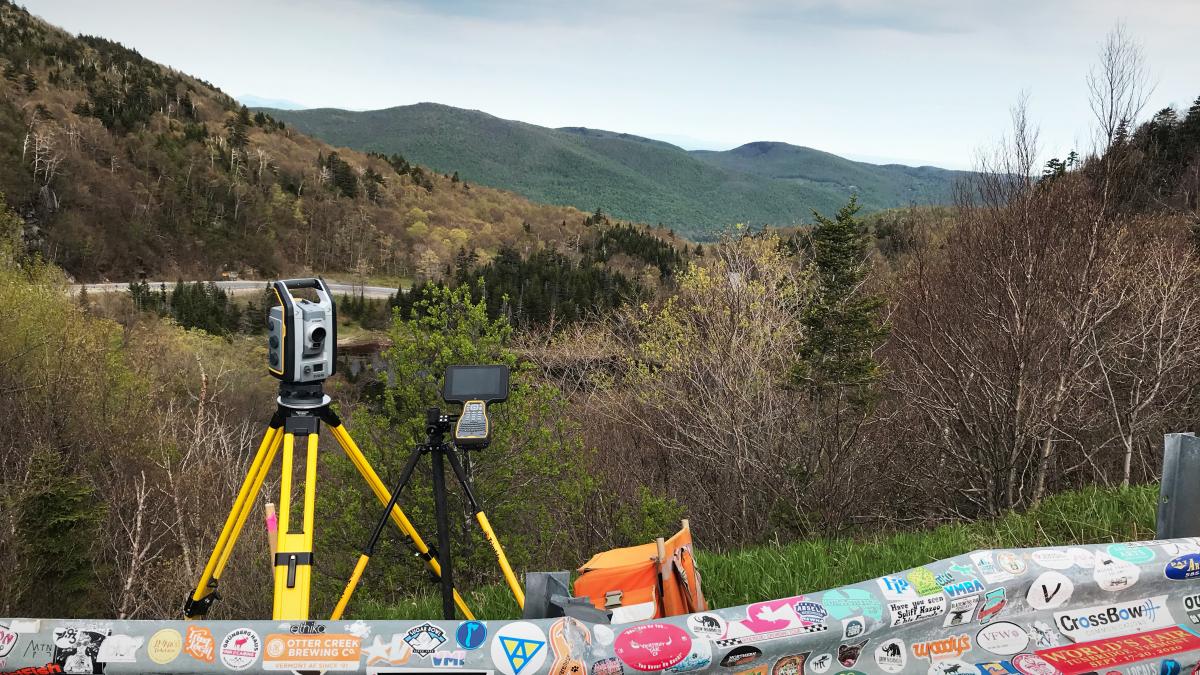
x,y
437,424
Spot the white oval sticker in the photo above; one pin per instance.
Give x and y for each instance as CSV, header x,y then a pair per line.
x,y
1002,637
1050,590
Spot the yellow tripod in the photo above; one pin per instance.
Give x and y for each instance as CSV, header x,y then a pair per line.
x,y
302,407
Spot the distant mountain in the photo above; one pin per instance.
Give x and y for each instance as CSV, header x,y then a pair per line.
x,y
631,177
252,101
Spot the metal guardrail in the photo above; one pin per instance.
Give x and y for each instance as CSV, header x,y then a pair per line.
x,y
1129,606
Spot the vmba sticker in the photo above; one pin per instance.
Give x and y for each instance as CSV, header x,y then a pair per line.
x,y
1184,567
968,587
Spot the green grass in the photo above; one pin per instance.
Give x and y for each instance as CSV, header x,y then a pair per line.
x,y
1088,516
634,178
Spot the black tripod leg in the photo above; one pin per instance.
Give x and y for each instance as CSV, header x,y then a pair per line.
x,y
443,526
369,549
510,577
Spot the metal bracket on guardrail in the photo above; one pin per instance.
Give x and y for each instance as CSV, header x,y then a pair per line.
x,y
1179,492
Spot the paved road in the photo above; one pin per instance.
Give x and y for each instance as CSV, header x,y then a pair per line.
x,y
377,292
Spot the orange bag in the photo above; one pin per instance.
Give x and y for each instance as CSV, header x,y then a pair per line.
x,y
647,581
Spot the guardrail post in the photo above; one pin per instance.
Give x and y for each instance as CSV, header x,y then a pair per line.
x,y
1179,492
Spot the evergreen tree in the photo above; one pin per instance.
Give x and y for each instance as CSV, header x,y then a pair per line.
x,y
59,524
1189,129
842,323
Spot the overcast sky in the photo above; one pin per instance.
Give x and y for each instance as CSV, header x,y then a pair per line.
x,y
915,81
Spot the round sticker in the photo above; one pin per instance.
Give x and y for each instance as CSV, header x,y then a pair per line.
x,y
1002,637
1052,559
793,664
240,649
1010,562
603,634
698,658
740,656
1184,567
820,663
165,646
1050,590
519,648
1030,664
471,634
652,646
1131,553
891,656
609,666
707,626
1082,557
1112,574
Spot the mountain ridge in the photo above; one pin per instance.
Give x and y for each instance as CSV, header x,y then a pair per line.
x,y
696,192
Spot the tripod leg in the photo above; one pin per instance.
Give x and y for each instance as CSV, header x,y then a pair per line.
x,y
381,493
442,516
509,576
205,593
369,549
293,562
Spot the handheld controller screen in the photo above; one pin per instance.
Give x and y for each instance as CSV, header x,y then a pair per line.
x,y
475,387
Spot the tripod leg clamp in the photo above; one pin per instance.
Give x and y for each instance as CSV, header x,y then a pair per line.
x,y
292,560
194,608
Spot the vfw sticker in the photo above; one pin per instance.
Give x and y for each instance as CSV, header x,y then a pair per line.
x,y
519,648
652,646
1002,637
240,649
891,656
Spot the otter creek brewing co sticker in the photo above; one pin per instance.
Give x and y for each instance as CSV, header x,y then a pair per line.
x,y
332,651
240,649
652,646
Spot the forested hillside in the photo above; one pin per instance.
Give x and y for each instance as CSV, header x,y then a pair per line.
x,y
120,166
696,193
